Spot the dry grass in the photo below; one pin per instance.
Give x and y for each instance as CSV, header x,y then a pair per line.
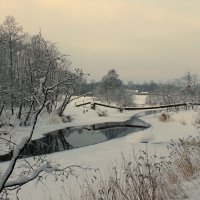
x,y
186,156
164,117
148,177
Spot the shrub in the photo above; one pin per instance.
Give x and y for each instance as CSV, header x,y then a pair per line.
x,y
164,117
102,113
147,176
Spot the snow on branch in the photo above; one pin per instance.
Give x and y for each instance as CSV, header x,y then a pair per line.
x,y
60,83
12,163
47,167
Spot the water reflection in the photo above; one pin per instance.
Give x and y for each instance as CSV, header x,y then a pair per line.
x,y
82,137
76,137
148,112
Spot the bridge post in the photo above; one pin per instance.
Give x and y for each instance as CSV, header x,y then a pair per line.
x,y
93,106
120,110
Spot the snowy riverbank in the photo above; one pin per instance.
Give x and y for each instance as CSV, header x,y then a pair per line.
x,y
107,154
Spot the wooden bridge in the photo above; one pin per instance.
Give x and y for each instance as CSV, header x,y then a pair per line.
x,y
178,105
84,102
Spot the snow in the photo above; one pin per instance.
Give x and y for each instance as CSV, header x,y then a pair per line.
x,y
16,152
42,80
163,132
41,88
140,100
105,155
47,167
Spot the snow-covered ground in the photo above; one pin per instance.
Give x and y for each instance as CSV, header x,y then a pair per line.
x,y
105,155
140,100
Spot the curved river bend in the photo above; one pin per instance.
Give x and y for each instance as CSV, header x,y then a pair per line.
x,y
75,137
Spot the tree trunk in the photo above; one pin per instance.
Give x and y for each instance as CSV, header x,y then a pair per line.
x,y
20,111
29,112
2,109
12,106
64,104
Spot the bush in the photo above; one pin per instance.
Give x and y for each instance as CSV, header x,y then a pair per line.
x,y
66,118
102,113
164,117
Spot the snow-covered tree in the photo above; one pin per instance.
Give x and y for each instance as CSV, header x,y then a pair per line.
x,y
24,61
111,89
33,73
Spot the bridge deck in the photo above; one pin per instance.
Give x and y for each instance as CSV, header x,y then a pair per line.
x,y
137,108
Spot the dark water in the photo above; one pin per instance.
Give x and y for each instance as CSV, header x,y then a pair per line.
x,y
148,112
75,137
83,137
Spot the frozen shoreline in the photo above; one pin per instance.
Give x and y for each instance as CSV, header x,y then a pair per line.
x,y
105,155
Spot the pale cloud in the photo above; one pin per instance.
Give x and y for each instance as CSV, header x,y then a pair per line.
x,y
142,39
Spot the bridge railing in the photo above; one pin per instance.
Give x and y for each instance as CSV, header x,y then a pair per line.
x,y
94,104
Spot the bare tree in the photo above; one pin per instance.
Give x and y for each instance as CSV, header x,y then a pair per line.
x,y
11,37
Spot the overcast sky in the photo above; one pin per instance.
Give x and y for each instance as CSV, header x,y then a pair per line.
x,y
142,39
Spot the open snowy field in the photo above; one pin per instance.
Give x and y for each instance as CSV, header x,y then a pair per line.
x,y
105,155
